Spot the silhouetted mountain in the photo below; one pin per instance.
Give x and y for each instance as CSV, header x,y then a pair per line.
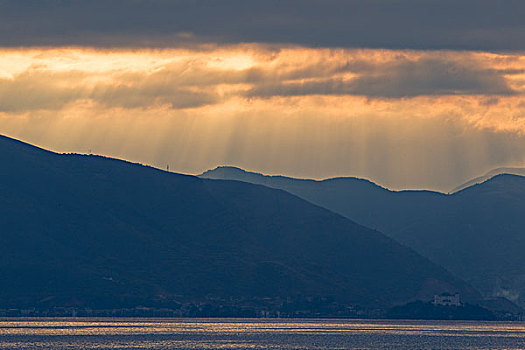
x,y
489,175
477,233
100,232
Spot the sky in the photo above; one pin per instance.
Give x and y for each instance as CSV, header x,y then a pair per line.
x,y
410,94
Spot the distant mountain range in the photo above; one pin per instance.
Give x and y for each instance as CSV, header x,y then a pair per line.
x,y
79,230
478,232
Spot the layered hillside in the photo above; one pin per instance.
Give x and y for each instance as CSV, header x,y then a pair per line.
x,y
99,232
477,233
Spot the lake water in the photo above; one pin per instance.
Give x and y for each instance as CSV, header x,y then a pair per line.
x,y
257,334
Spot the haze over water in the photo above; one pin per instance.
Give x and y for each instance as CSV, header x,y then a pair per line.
x,y
257,334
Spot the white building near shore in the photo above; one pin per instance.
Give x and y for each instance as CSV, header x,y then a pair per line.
x,y
447,299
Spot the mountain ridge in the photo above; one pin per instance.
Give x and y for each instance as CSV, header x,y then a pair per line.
x,y
475,181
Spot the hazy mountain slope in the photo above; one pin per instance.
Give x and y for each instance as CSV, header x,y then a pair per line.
x,y
88,230
358,199
477,233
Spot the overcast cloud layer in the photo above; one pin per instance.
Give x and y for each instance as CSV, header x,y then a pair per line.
x,y
415,24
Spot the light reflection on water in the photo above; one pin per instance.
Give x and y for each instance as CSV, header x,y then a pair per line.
x,y
257,334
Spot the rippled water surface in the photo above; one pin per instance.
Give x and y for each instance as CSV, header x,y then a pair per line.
x,y
257,334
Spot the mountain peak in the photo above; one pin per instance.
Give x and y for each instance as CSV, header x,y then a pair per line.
x,y
223,169
489,175
504,182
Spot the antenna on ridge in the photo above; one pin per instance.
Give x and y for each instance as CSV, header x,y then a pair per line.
x,y
167,167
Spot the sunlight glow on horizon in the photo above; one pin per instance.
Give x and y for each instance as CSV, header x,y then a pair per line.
x,y
402,118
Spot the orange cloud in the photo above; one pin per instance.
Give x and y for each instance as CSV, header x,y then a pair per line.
x,y
399,117
42,79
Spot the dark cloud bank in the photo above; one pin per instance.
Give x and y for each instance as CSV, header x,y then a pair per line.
x,y
400,79
415,24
